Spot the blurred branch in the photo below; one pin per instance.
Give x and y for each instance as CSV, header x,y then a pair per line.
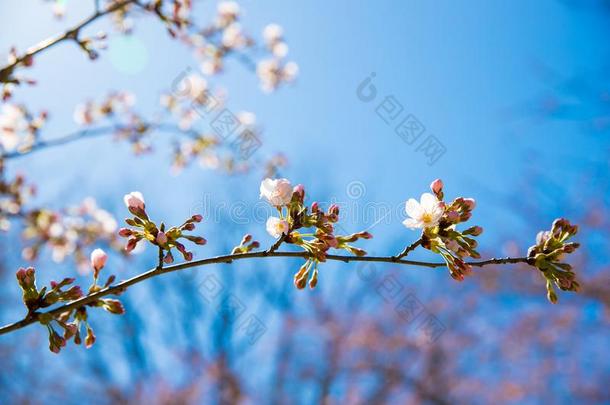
x,y
94,133
122,286
71,34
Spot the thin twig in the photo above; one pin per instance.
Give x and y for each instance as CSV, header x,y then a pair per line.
x,y
122,286
276,245
160,263
408,249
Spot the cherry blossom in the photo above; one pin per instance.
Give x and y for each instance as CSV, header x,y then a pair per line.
x,y
134,200
423,214
98,259
12,126
278,192
277,227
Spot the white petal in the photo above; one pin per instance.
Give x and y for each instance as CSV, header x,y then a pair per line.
x,y
138,195
267,187
413,209
272,226
436,216
428,201
412,223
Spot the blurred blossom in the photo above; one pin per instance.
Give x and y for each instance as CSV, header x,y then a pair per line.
x,y
19,127
272,73
12,126
233,37
69,233
228,11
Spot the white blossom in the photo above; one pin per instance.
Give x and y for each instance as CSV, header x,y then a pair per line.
x,y
277,227
277,191
13,125
423,214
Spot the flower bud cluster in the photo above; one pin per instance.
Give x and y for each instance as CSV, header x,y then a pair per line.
x,y
294,215
548,253
165,239
440,235
246,245
63,291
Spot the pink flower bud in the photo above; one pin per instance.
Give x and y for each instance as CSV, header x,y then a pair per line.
x,y
168,258
70,330
125,232
90,338
476,231
315,207
131,245
134,200
470,203
436,186
98,259
332,242
113,306
199,241
189,226
453,216
197,218
299,190
161,238
21,275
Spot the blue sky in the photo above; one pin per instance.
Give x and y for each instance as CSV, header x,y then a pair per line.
x,y
473,73
469,74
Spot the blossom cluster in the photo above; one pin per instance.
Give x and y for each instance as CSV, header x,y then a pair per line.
x,y
69,233
190,100
114,104
19,127
117,108
547,254
14,193
226,36
294,216
222,37
164,239
72,320
274,71
438,221
211,44
191,97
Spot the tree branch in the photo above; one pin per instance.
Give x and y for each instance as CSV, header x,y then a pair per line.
x,y
71,34
93,133
122,286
